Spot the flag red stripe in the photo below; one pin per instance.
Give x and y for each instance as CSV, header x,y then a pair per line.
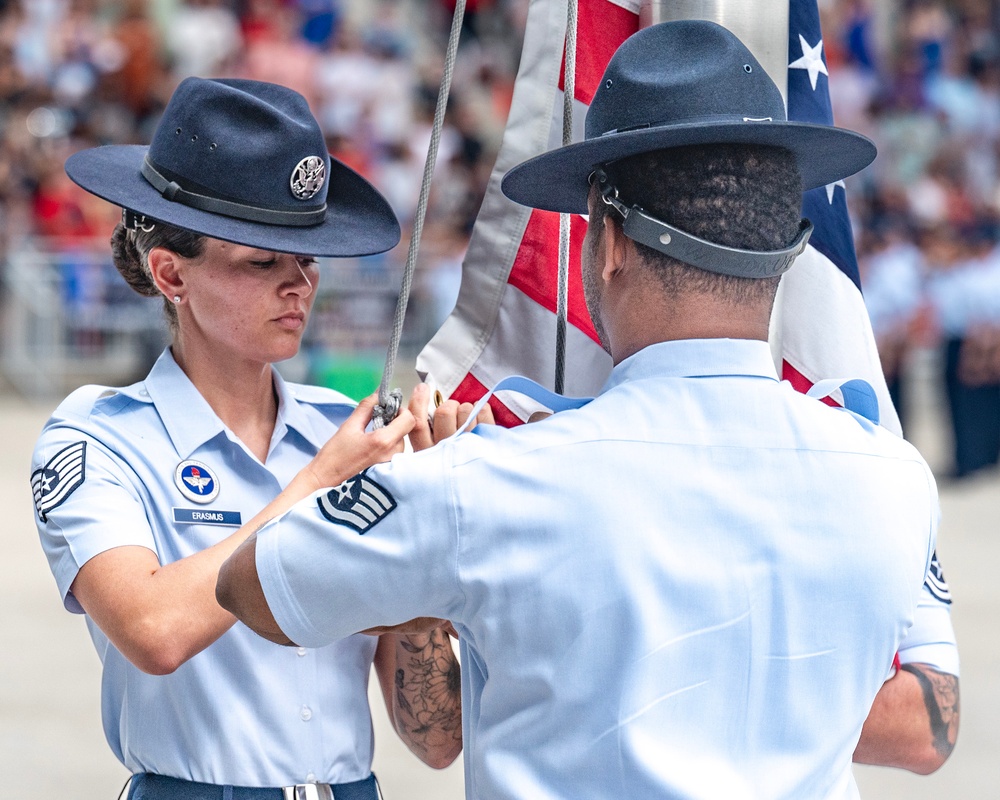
x,y
601,27
534,270
801,383
470,390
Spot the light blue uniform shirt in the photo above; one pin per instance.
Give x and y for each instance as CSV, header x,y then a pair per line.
x,y
692,587
243,711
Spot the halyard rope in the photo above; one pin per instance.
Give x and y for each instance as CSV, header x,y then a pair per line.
x,y
562,285
389,402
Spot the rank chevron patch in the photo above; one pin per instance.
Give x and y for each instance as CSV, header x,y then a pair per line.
x,y
935,582
59,478
358,502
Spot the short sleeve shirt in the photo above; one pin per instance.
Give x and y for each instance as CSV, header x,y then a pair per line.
x,y
151,465
691,587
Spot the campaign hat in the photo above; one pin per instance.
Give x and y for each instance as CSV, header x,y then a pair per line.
x,y
674,84
243,161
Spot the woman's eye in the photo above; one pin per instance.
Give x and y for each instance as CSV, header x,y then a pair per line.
x,y
264,264
307,262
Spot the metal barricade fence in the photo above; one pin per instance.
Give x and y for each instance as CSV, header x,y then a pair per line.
x,y
67,318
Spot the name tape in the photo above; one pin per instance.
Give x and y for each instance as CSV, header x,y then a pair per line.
x,y
201,516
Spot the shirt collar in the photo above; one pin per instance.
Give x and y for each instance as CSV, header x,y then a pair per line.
x,y
190,420
187,416
292,414
696,358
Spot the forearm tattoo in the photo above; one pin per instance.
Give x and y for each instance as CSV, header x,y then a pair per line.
x,y
941,698
429,693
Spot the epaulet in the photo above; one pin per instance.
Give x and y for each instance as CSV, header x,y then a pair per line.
x,y
319,395
82,402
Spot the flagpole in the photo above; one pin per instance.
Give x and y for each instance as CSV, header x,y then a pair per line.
x,y
762,25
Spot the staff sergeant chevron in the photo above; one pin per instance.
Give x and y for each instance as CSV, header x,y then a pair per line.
x,y
59,478
358,502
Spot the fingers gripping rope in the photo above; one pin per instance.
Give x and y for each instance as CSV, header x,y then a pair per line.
x,y
385,411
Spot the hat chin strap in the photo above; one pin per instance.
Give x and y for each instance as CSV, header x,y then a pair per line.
x,y
701,253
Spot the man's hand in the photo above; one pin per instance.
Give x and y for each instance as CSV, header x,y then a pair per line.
x,y
448,418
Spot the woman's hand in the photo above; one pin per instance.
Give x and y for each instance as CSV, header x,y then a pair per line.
x,y
353,448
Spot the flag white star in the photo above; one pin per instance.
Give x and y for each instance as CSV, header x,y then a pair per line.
x,y
831,188
812,60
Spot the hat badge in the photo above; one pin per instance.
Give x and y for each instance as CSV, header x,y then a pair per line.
x,y
308,177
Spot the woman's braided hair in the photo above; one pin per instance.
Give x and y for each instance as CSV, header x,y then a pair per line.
x,y
130,249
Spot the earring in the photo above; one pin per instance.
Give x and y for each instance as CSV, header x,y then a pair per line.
x,y
177,298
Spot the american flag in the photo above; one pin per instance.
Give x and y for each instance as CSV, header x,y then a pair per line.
x,y
504,321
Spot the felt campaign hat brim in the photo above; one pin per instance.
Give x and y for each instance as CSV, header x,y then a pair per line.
x,y
358,221
675,84
558,180
246,162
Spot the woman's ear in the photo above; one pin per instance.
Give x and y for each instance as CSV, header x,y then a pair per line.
x,y
164,266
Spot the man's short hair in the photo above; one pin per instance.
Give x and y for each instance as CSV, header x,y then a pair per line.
x,y
743,196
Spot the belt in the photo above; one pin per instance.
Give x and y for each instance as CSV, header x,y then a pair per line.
x,y
147,786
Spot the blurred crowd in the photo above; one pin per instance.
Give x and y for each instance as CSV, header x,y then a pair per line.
x,y
920,77
80,73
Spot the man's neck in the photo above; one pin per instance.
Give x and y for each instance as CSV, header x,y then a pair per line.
x,y
693,316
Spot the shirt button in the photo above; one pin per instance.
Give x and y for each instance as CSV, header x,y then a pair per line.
x,y
301,651
306,713
311,778
143,393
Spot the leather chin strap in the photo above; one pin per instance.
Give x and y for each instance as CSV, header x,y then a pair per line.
x,y
697,252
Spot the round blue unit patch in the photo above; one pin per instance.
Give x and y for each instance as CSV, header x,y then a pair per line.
x,y
196,482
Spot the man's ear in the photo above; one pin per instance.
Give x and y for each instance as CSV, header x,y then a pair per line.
x,y
616,246
164,266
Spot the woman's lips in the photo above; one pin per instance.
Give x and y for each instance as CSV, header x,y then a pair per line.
x,y
292,321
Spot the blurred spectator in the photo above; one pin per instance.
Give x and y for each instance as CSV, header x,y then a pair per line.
x,y
203,38
347,85
278,54
137,81
963,287
940,195
892,274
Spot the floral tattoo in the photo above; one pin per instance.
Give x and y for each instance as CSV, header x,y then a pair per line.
x,y
429,692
